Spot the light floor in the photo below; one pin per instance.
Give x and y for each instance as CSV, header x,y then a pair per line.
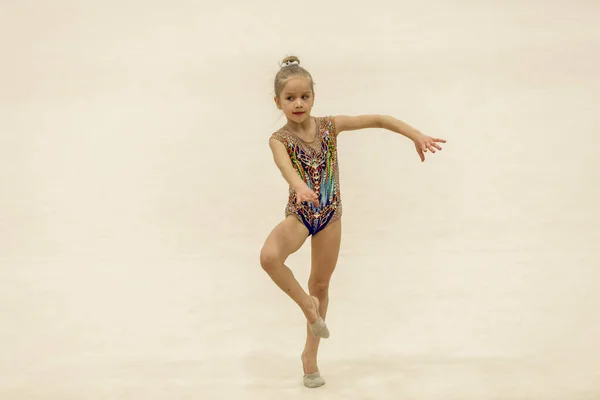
x,y
137,188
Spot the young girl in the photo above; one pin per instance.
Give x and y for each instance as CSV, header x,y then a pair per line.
x,y
305,151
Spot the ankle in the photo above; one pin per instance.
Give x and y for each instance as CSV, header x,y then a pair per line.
x,y
307,306
309,363
307,303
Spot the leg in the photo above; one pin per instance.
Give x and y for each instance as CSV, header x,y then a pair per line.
x,y
286,238
325,251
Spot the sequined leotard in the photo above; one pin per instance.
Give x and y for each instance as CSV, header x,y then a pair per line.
x,y
318,167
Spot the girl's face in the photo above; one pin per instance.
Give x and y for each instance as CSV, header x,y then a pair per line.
x,y
296,99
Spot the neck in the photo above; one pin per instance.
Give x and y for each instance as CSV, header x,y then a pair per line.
x,y
305,126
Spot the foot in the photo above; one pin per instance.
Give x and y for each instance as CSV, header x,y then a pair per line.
x,y
312,377
312,310
315,323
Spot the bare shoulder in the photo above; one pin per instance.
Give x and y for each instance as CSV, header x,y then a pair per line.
x,y
278,144
356,122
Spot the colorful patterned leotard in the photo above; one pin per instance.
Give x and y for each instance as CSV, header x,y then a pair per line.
x,y
318,167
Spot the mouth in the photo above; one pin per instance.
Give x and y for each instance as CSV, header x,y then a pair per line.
x,y
299,113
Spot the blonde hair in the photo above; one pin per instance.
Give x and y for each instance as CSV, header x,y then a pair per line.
x,y
290,66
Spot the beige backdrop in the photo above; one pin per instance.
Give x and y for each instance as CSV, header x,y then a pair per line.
x,y
137,188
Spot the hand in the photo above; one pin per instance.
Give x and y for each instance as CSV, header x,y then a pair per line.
x,y
305,194
423,143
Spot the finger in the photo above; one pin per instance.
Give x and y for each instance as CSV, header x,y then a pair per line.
x,y
439,140
315,199
421,155
437,146
430,147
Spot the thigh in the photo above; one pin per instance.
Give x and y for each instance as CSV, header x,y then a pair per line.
x,y
286,238
325,248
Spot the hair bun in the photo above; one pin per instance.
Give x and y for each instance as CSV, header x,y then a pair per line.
x,y
290,60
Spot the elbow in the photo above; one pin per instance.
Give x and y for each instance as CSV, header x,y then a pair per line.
x,y
383,121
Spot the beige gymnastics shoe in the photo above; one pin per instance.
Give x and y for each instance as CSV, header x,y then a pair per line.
x,y
319,328
313,380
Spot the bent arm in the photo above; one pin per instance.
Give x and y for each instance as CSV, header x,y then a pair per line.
x,y
283,162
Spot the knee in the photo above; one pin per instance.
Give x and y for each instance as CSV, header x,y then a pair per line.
x,y
269,259
319,288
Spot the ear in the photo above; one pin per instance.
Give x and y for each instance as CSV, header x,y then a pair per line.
x,y
277,103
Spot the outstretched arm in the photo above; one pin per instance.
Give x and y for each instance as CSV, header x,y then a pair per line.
x,y
423,143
